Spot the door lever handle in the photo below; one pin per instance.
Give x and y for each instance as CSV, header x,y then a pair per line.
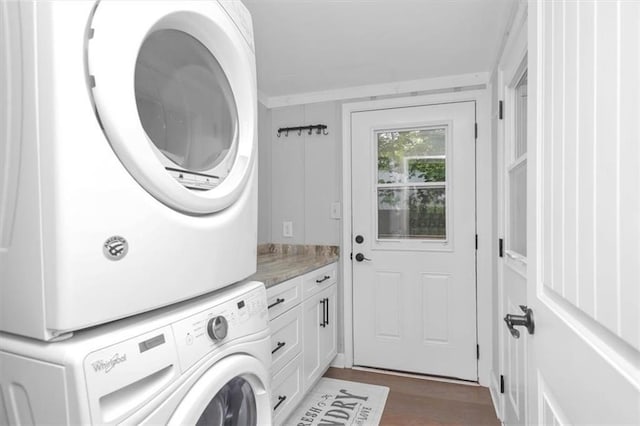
x,y
360,257
525,320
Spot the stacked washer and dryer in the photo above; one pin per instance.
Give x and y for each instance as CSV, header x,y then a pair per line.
x,y
128,210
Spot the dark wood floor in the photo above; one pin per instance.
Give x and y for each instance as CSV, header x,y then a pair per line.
x,y
426,402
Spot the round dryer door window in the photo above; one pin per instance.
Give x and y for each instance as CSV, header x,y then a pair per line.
x,y
186,105
234,404
174,88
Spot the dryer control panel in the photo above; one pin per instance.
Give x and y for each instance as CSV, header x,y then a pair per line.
x,y
210,329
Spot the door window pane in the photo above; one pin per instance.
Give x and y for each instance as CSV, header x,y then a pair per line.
x,y
233,405
411,187
521,117
184,100
411,155
517,175
518,209
412,213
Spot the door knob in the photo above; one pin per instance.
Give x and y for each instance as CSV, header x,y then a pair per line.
x,y
360,257
525,320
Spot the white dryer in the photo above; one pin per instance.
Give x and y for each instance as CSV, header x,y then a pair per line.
x,y
204,361
127,158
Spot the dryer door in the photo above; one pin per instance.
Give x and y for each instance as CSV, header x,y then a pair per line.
x,y
232,392
175,92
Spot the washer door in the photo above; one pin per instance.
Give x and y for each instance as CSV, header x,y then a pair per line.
x,y
175,92
232,392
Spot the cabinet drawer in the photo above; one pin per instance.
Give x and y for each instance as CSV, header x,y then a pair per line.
x,y
319,279
286,390
284,296
286,338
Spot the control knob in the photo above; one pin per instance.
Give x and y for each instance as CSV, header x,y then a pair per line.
x,y
217,328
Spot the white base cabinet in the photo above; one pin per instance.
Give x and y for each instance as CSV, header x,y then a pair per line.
x,y
319,334
303,314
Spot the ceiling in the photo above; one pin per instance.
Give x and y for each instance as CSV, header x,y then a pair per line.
x,y
316,45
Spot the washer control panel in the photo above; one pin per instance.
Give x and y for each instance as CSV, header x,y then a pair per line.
x,y
212,328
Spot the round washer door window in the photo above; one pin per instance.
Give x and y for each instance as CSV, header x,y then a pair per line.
x,y
234,404
185,104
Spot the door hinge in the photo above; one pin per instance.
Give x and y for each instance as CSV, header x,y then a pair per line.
x,y
500,110
501,247
477,351
476,131
501,383
476,241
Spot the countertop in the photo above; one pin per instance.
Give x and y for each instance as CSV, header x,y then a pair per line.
x,y
280,262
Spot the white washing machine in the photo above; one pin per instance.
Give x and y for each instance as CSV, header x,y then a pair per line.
x,y
201,362
127,158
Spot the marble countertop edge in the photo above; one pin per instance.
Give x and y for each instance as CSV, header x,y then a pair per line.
x,y
281,262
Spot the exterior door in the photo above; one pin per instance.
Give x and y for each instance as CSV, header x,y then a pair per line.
x,y
584,204
413,218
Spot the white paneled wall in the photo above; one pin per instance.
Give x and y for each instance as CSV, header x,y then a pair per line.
x,y
590,250
302,174
287,176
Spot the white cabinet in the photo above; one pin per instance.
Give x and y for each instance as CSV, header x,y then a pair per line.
x,y
329,334
319,334
302,313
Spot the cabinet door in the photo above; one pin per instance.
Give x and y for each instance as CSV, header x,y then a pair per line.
x,y
312,317
328,334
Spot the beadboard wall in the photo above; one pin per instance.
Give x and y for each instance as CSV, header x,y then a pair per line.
x,y
299,175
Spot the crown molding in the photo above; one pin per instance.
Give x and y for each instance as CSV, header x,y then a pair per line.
x,y
448,83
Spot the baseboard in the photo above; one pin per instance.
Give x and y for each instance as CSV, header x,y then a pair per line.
x,y
494,391
338,361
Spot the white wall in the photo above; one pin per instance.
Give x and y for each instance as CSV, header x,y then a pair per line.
x,y
300,175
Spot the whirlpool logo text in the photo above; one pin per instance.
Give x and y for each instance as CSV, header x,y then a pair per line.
x,y
107,365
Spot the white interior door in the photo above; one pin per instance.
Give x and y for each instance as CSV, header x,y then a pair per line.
x,y
513,245
512,218
584,239
413,204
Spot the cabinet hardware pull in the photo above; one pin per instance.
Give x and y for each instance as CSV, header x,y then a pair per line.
x,y
326,277
280,401
324,310
277,302
327,308
279,346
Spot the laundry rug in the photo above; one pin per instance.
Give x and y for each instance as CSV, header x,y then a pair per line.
x,y
339,402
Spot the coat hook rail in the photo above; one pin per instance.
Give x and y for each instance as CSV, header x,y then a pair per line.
x,y
320,129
